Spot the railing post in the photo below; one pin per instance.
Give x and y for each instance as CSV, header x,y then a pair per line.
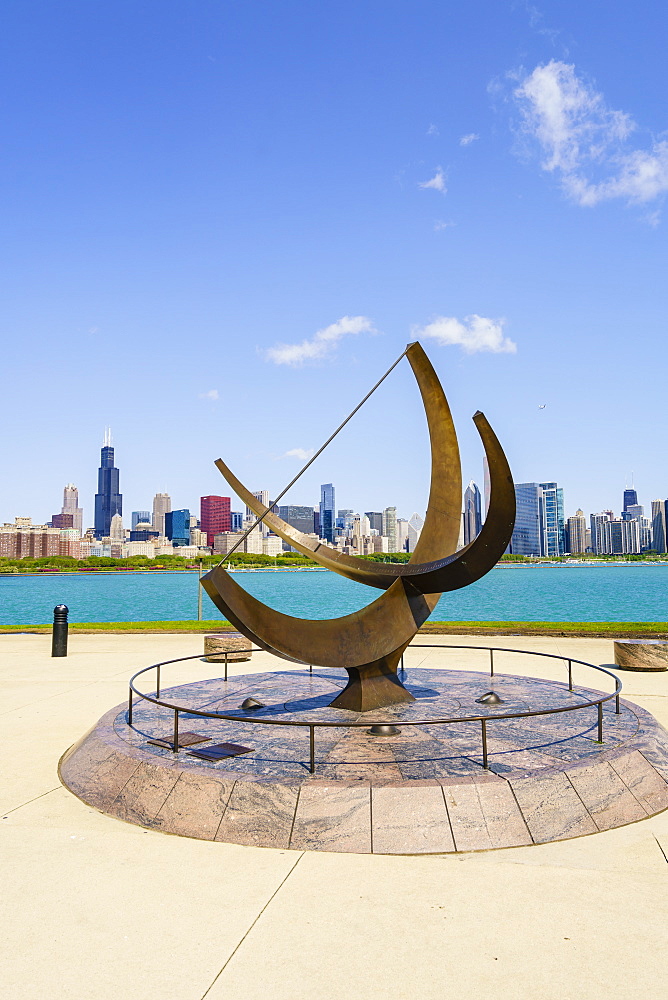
x,y
225,664
483,723
130,708
312,748
59,634
175,745
617,708
491,663
600,722
310,668
157,683
570,676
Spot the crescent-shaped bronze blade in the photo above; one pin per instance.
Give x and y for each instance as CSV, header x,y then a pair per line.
x,y
370,634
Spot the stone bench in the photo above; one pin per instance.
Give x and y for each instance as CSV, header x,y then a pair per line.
x,y
641,654
228,647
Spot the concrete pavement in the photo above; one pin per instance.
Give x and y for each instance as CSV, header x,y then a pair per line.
x,y
95,908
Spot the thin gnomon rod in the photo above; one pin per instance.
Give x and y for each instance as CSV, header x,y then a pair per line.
x,y
312,460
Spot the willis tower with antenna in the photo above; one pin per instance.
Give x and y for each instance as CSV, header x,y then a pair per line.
x,y
108,501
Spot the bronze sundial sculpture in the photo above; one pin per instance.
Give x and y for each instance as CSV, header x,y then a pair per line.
x,y
369,643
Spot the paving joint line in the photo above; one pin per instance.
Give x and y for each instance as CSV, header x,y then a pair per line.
x,y
23,804
231,956
661,848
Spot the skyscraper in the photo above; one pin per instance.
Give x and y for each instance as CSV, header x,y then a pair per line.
x,y
300,518
402,534
472,513
116,531
215,516
108,499
390,528
527,539
177,526
577,533
71,506
597,531
263,497
327,507
143,516
375,520
630,499
553,520
659,526
162,503
415,525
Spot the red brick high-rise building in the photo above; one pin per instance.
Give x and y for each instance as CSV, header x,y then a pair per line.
x,y
215,516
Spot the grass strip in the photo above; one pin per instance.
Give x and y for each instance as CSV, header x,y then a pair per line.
x,y
640,630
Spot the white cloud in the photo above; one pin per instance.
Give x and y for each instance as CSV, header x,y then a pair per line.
x,y
473,334
301,453
439,225
437,182
320,346
211,394
433,130
467,139
584,142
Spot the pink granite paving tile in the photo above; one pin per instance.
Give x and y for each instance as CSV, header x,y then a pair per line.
x,y
505,823
410,820
144,793
466,817
333,817
109,778
80,763
259,814
357,756
643,781
195,806
552,808
605,795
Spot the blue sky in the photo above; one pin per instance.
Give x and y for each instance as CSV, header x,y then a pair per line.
x,y
222,221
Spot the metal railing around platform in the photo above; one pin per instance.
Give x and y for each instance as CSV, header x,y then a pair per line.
x,y
178,710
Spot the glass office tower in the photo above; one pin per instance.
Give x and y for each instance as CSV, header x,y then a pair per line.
x,y
177,527
472,513
528,531
553,520
327,515
108,500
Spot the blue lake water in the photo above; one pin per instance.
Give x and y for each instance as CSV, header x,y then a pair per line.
x,y
636,592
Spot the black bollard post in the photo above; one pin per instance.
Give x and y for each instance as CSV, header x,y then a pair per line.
x,y
59,635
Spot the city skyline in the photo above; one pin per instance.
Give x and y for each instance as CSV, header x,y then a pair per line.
x,y
543,526
107,469
295,236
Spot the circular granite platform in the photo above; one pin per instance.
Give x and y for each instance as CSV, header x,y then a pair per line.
x,y
422,791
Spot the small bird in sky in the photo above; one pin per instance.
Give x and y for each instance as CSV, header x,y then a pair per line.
x,y
541,406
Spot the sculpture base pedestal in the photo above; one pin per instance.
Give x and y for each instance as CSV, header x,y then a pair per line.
x,y
422,791
373,685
